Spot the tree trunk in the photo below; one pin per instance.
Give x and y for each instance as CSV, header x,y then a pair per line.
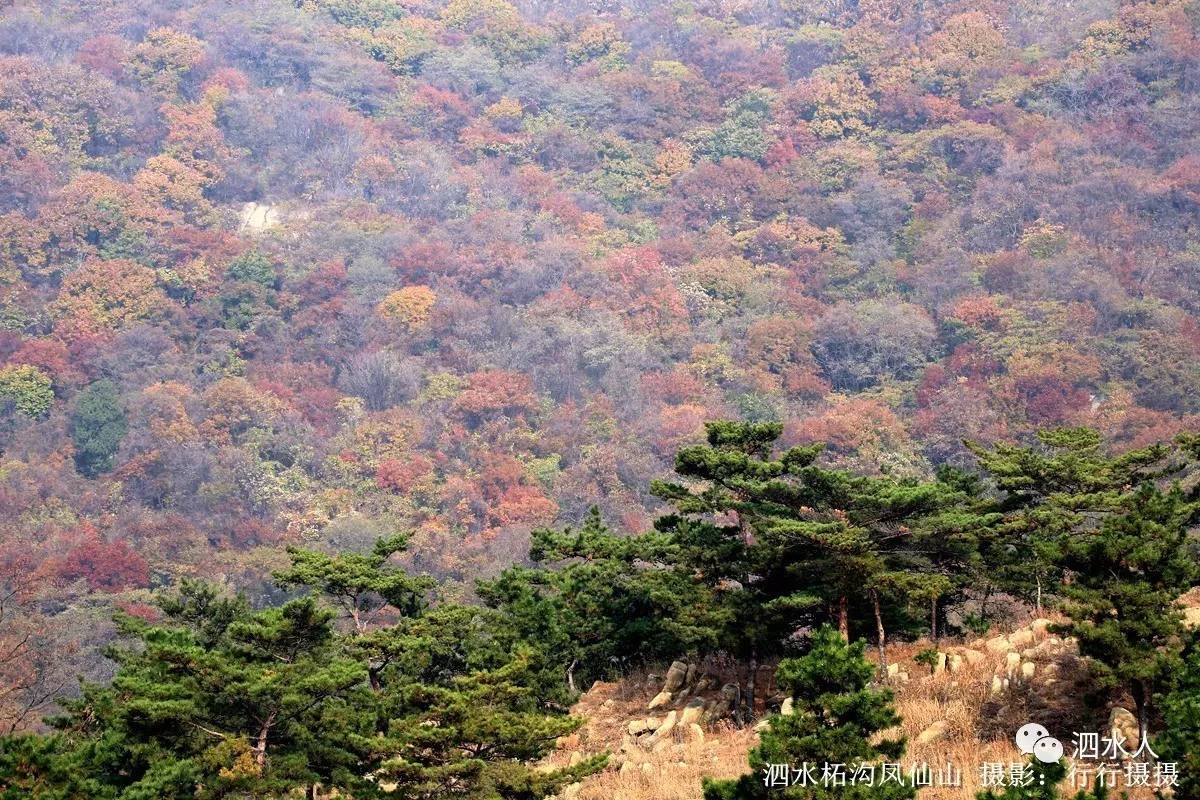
x,y
1038,602
260,744
571,676
311,792
843,615
750,686
933,619
1141,706
880,635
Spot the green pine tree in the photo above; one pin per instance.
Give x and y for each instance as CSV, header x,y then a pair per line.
x,y
837,718
1049,491
596,602
1180,707
362,586
218,701
1116,528
1124,600
97,427
459,705
787,542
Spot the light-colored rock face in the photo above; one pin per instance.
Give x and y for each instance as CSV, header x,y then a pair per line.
x,y
692,712
788,707
998,644
1028,669
1021,638
676,677
1012,663
973,657
258,217
1123,724
1191,617
661,699
667,725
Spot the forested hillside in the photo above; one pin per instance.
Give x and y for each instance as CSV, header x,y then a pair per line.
x,y
307,274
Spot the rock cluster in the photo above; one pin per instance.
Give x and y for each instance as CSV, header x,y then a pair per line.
x,y
683,690
1027,652
1020,655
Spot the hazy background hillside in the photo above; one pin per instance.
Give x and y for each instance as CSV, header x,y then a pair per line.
x,y
276,272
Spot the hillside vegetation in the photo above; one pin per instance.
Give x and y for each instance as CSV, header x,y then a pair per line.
x,y
335,331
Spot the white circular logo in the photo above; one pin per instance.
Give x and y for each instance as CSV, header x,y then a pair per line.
x,y
1048,750
1028,735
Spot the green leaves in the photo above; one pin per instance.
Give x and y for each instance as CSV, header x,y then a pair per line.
x,y
602,600
360,585
27,388
837,717
219,698
1113,531
97,428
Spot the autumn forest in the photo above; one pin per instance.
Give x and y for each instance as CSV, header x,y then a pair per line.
x,y
376,375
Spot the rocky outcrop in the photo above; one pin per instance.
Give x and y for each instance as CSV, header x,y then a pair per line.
x,y
677,677
258,217
1123,727
692,712
660,700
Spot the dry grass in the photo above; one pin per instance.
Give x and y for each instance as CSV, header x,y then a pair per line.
x,y
676,773
957,699
963,700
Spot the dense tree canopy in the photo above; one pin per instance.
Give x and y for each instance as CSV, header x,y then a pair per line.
x,y
306,274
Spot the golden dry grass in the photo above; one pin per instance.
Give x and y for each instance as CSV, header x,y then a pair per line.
x,y
957,699
675,772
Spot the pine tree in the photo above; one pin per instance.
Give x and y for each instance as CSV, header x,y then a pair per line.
x,y
1051,490
1110,525
733,483
218,701
36,767
837,719
787,542
458,706
470,735
362,586
1180,707
596,603
1124,600
97,428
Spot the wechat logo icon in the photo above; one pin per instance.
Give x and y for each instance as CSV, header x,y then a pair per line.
x,y
1033,739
